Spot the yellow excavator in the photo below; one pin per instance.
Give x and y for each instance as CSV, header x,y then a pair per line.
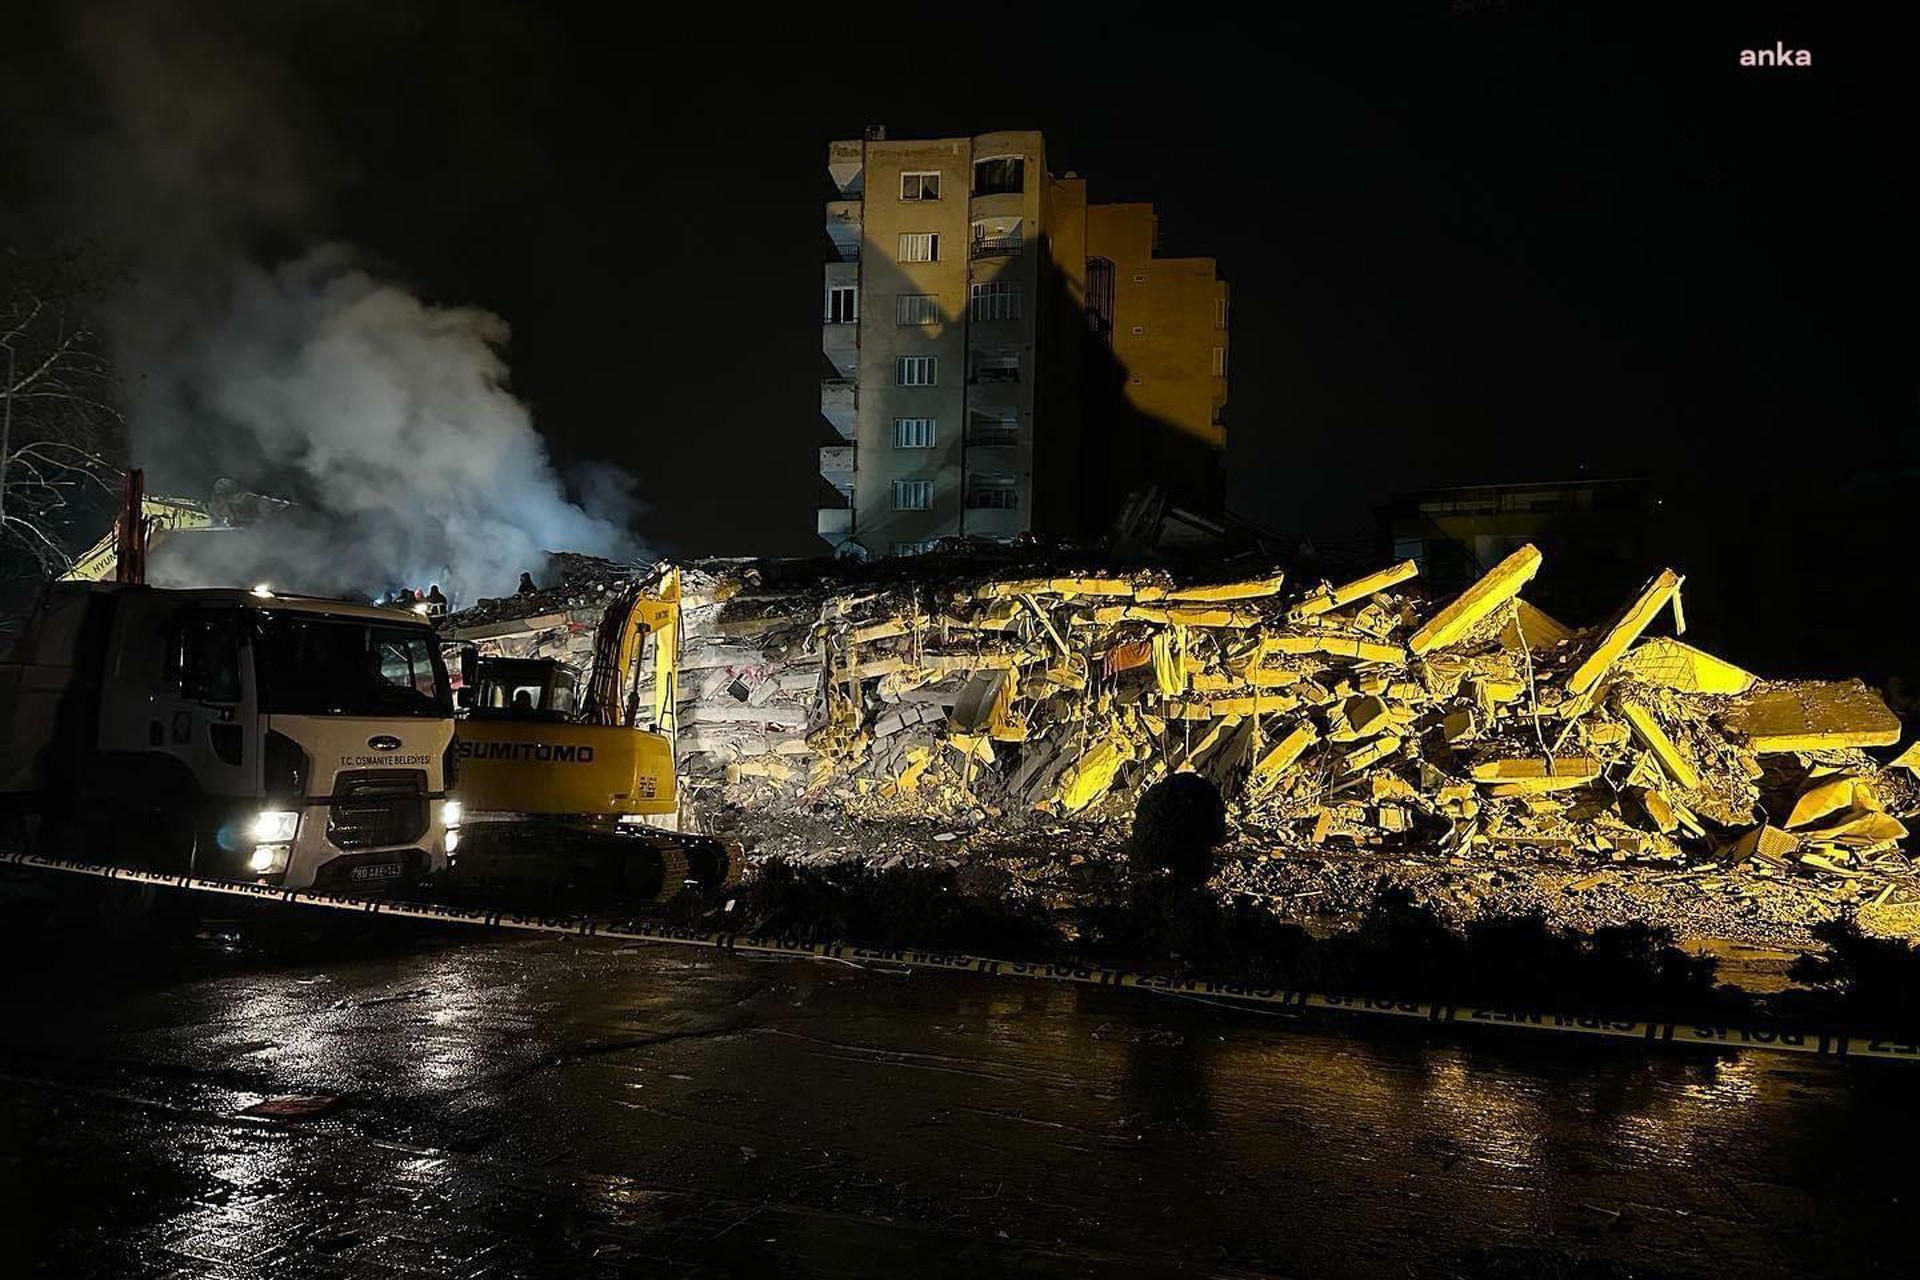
x,y
564,789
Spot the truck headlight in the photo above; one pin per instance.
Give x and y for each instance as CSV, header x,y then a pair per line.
x,y
451,812
452,843
275,826
269,858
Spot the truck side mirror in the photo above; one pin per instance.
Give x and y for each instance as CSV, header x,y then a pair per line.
x,y
463,698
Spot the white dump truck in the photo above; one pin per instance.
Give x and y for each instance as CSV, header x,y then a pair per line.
x,y
233,734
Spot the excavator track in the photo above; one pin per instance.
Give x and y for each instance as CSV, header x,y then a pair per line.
x,y
585,864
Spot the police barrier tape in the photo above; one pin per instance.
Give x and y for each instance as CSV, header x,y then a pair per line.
x,y
1435,1012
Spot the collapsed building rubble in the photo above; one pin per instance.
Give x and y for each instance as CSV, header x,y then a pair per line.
x,y
1352,716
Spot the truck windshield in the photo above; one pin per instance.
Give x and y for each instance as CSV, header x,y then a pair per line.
x,y
318,666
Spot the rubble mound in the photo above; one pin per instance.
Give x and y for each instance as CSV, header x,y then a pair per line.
x,y
1352,719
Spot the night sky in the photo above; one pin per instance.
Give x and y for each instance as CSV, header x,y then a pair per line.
x,y
1474,241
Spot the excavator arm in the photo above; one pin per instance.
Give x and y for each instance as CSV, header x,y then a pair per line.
x,y
612,695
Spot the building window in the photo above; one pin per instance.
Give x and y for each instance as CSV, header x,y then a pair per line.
x,y
913,433
1219,362
993,426
999,175
993,493
920,186
916,308
1100,298
843,304
912,495
996,364
917,371
1219,313
997,300
919,246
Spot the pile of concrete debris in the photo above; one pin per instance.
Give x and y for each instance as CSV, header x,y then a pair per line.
x,y
1352,715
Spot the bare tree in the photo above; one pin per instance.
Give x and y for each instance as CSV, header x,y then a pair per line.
x,y
60,429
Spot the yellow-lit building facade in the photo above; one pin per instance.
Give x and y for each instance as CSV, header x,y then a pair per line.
x,y
1005,358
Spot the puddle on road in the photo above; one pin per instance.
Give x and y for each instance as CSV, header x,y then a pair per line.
x,y
521,1107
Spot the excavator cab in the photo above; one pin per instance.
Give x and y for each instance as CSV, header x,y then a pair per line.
x,y
523,689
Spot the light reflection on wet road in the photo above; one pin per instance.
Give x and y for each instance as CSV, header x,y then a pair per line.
x,y
558,1107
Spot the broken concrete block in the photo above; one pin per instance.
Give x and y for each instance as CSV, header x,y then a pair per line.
x,y
1664,588
1860,829
1659,809
1673,664
1392,817
1283,754
1671,757
1478,601
1091,776
1767,844
1526,775
1605,734
1330,597
1219,729
1813,715
1371,753
1831,796
1532,630
1088,586
1214,708
1365,716
1339,646
1248,589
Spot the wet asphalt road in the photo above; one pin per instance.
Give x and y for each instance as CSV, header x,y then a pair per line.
x,y
557,1107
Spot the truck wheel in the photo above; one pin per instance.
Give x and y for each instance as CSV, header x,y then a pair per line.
x,y
161,840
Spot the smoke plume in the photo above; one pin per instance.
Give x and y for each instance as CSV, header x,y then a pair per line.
x,y
386,420
300,373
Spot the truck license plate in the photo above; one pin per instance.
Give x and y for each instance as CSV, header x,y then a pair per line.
x,y
379,871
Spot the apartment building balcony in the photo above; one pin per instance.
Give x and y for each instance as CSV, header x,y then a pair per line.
x,y
844,222
837,401
835,524
993,498
997,246
996,521
836,468
840,343
999,204
985,439
846,165
841,275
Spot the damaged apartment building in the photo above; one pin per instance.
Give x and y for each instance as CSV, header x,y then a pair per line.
x,y
1006,357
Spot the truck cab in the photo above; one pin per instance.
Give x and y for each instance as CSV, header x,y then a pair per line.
x,y
234,734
